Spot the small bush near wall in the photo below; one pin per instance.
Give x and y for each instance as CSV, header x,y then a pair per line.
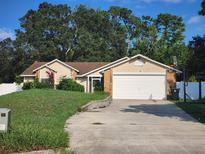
x,y
69,84
192,79
36,84
18,79
27,85
42,85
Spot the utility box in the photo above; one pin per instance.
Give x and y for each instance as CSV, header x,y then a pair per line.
x,y
175,93
4,120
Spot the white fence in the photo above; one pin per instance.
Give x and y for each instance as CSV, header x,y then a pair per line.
x,y
6,88
192,89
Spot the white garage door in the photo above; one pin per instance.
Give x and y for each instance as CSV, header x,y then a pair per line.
x,y
139,86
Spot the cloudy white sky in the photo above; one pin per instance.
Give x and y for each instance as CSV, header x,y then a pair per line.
x,y
12,10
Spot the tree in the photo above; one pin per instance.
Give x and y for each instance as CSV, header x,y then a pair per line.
x,y
196,62
6,61
125,24
162,39
46,32
170,39
55,31
146,41
93,35
87,34
202,11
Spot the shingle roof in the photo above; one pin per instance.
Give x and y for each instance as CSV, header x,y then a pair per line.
x,y
83,67
29,70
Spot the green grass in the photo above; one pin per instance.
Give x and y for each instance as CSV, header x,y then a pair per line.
x,y
38,118
195,109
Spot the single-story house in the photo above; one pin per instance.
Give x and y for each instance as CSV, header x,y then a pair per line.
x,y
138,77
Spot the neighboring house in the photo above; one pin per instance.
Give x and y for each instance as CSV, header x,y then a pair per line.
x,y
138,77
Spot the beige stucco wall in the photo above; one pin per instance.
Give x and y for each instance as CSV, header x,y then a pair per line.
x,y
61,71
95,74
28,79
83,82
43,74
131,67
73,74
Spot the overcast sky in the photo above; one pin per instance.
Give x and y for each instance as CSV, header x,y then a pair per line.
x,y
12,10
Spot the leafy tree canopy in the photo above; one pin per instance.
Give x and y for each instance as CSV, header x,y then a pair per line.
x,y
196,62
202,11
162,39
86,34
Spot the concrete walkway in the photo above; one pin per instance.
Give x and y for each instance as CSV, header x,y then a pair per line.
x,y
136,127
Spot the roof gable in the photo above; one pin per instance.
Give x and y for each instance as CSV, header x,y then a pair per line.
x,y
104,66
85,68
146,58
29,71
53,61
155,62
82,67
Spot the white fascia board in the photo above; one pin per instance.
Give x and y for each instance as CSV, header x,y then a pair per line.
x,y
107,65
79,76
44,65
156,62
68,65
139,55
27,75
139,73
53,62
114,65
51,69
95,75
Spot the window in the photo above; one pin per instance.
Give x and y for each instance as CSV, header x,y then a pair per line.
x,y
3,114
45,80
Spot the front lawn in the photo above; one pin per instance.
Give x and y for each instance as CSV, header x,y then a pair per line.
x,y
195,109
38,118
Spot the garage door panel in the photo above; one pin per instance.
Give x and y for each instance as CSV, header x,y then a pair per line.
x,y
139,86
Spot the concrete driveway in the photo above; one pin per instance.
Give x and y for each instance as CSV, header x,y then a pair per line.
x,y
136,127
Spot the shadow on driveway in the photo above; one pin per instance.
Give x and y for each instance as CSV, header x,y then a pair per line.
x,y
161,110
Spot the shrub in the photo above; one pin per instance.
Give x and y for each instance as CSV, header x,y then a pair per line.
x,y
41,85
36,84
27,85
192,78
69,84
98,86
18,79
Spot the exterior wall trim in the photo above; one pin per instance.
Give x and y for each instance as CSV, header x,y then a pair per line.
x,y
148,59
110,64
139,73
95,75
165,85
28,75
156,62
53,62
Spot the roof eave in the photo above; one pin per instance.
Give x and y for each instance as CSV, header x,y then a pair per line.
x,y
156,62
107,65
27,75
57,61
